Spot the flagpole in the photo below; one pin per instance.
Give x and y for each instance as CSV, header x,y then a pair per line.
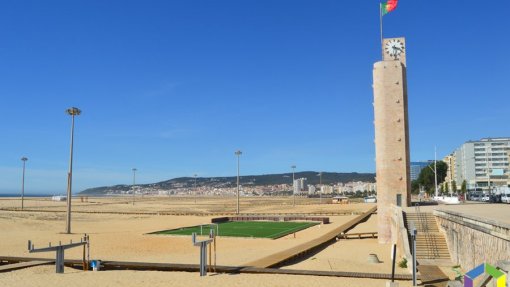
x,y
381,25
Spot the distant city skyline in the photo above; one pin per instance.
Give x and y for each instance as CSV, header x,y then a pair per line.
x,y
175,88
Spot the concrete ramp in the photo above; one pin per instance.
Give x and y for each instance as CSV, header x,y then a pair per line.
x,y
22,265
431,275
287,254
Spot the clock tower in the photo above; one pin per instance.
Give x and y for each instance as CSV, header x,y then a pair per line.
x,y
391,135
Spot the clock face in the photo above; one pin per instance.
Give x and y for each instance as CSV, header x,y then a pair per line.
x,y
394,48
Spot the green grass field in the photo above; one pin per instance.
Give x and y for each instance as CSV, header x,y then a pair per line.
x,y
252,229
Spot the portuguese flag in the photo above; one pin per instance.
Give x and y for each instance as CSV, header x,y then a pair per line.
x,y
389,6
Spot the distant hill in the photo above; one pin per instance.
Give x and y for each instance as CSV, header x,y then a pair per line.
x,y
252,180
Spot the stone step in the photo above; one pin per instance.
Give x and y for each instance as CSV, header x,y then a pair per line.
x,y
431,238
418,224
432,254
424,215
425,247
430,226
428,237
437,244
417,218
422,252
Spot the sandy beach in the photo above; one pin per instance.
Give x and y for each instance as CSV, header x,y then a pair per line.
x,y
118,231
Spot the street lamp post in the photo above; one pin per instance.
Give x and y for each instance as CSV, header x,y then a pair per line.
x,y
488,170
293,190
195,187
134,179
72,112
320,187
238,154
435,171
435,168
24,159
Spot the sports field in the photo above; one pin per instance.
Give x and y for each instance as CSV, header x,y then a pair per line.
x,y
252,229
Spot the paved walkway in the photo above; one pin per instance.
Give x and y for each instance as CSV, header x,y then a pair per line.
x,y
150,266
21,265
492,211
431,275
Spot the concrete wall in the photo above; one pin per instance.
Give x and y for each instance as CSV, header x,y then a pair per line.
x,y
399,236
473,240
391,142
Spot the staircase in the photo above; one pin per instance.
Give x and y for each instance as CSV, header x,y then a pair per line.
x,y
430,242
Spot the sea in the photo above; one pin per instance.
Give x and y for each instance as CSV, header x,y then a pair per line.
x,y
49,195
26,195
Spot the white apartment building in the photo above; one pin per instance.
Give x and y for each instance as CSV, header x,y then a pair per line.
x,y
483,164
311,189
299,185
326,189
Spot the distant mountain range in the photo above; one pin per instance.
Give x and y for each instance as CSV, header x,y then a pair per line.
x,y
231,181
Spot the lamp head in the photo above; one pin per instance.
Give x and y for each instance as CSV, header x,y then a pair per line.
x,y
73,111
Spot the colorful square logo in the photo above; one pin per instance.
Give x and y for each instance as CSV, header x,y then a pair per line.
x,y
485,268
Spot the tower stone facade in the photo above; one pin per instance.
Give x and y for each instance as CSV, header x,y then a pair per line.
x,y
391,137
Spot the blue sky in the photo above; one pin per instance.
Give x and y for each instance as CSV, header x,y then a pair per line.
x,y
173,88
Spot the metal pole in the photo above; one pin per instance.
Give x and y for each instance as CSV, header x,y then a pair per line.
x,y
73,112
381,26
293,191
202,259
488,169
70,181
24,159
413,236
393,259
134,179
59,264
195,188
320,185
238,153
435,168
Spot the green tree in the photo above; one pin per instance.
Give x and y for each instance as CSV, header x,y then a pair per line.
x,y
454,186
426,177
446,187
463,189
415,187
